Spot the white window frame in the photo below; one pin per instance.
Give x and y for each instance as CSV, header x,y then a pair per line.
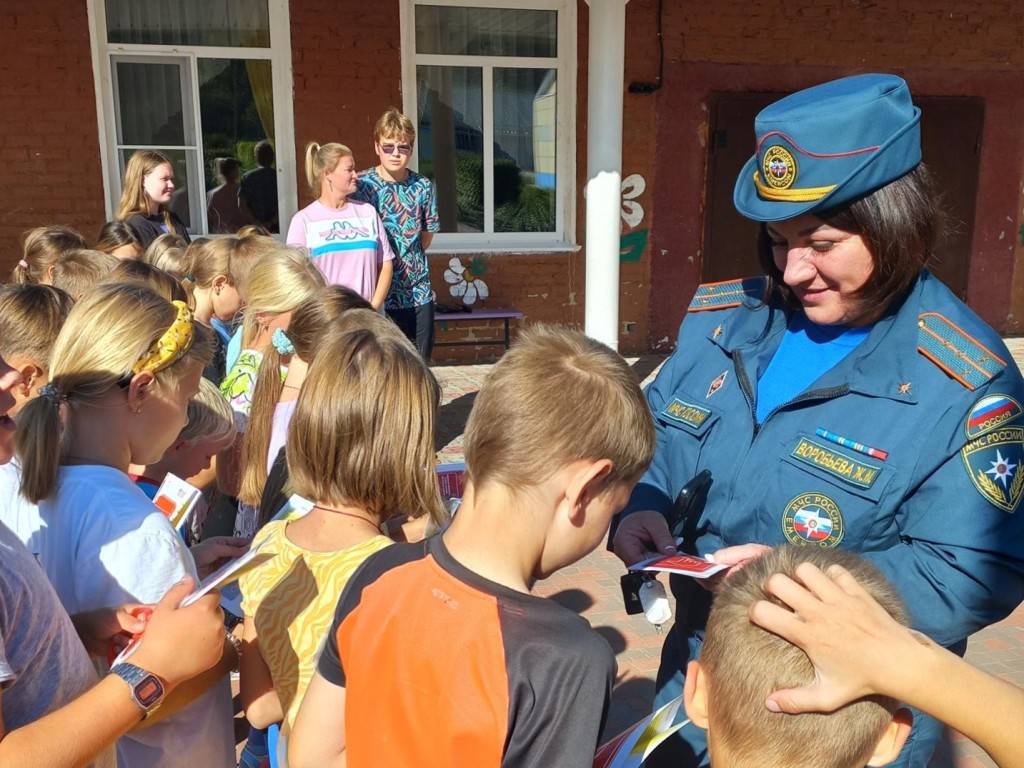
x,y
280,56
565,124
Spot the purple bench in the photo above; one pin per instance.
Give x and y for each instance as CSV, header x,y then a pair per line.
x,y
476,315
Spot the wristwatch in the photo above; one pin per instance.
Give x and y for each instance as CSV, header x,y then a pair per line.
x,y
147,690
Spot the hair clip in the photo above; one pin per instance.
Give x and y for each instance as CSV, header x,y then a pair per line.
x,y
281,342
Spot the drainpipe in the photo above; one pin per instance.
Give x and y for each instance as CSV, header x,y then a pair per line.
x,y
604,168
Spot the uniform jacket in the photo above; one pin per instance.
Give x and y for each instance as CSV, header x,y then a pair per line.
x,y
922,472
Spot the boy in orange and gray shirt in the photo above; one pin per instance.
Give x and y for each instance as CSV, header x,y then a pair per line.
x,y
439,655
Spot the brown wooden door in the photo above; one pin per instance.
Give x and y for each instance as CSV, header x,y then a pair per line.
x,y
950,144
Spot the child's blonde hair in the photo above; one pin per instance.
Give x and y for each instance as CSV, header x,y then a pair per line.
x,y
43,247
363,429
305,331
135,272
249,248
76,272
106,334
31,316
133,195
557,396
280,281
168,253
743,663
394,125
206,259
321,159
209,416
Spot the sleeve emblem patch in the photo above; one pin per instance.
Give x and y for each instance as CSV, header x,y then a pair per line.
x,y
993,461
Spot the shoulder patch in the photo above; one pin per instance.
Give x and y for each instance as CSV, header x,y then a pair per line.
x,y
730,293
962,356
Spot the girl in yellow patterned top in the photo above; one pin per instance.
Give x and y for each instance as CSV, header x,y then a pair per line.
x,y
361,444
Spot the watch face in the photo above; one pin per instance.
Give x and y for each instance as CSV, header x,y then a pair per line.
x,y
149,691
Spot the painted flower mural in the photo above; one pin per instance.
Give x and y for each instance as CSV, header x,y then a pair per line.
x,y
465,281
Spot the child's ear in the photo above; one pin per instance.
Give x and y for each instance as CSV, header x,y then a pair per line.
x,y
138,390
219,282
892,741
32,375
695,695
179,445
586,483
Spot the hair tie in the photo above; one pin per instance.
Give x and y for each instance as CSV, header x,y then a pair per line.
x,y
172,345
23,264
190,278
281,342
50,392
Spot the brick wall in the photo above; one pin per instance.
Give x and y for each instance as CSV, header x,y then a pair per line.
x,y
942,48
49,143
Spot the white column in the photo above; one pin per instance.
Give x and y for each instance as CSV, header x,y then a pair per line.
x,y
604,168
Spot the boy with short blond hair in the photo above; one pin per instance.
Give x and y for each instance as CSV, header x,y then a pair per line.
x,y
742,664
439,655
407,206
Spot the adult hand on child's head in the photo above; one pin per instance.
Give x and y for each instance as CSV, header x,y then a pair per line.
x,y
856,647
180,643
98,628
212,553
641,535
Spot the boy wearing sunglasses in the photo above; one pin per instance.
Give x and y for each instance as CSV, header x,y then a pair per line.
x,y
407,206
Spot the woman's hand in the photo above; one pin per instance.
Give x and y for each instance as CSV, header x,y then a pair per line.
x,y
211,554
641,535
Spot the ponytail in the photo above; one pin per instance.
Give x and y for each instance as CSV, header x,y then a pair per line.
x,y
38,444
322,159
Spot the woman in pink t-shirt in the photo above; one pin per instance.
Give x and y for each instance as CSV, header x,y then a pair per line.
x,y
345,238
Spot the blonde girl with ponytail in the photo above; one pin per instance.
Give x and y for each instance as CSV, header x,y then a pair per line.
x,y
344,237
122,372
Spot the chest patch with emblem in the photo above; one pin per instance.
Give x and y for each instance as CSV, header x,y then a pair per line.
x,y
813,518
993,461
859,473
686,413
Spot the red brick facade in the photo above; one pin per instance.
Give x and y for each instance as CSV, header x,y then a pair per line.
x,y
347,69
49,141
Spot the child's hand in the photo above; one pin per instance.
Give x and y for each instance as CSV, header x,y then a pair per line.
x,y
211,554
856,647
98,628
180,643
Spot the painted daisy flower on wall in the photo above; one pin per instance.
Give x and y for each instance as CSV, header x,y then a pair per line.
x,y
465,281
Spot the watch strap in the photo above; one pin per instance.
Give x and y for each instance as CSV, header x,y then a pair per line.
x,y
147,690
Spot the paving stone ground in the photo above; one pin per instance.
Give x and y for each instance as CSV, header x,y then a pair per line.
x,y
591,588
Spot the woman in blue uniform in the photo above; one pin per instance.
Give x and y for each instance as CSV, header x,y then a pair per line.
x,y
846,399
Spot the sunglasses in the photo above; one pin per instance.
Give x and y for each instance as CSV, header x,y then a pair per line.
x,y
403,149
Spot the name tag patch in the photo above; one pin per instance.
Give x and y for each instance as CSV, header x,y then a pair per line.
x,y
850,470
686,413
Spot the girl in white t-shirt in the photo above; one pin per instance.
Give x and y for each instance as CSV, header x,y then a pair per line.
x,y
122,372
345,237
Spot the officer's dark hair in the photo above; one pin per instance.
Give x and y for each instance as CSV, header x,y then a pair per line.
x,y
899,222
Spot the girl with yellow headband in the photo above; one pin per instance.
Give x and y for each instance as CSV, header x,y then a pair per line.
x,y
123,369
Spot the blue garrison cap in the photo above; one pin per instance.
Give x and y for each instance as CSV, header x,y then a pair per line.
x,y
828,145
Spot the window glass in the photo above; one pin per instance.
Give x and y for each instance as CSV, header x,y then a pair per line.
x,y
150,106
450,142
524,150
229,23
236,108
462,31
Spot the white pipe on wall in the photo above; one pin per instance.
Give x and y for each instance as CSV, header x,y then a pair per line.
x,y
604,168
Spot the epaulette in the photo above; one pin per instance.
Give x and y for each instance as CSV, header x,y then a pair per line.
x,y
730,293
960,355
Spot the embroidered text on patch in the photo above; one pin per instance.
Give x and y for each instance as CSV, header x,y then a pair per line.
x,y
687,413
813,518
846,468
993,462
